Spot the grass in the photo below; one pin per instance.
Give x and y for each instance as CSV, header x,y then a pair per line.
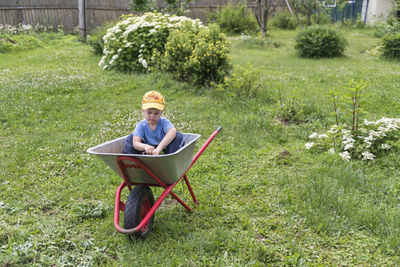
x,y
264,199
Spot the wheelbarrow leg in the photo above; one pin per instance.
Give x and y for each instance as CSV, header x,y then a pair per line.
x,y
190,189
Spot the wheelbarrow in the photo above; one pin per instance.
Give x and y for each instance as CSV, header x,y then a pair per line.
x,y
140,172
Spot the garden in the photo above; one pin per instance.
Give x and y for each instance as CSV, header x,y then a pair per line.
x,y
304,171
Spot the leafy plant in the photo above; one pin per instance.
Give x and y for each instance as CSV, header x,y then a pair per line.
x,y
289,110
235,20
129,45
284,20
355,140
391,46
95,38
372,139
385,28
319,41
197,55
243,83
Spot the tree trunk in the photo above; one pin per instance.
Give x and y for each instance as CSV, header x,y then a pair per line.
x,y
343,10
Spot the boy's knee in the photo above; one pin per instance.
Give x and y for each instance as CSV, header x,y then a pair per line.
x,y
128,146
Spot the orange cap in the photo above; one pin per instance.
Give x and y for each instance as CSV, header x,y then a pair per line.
x,y
153,99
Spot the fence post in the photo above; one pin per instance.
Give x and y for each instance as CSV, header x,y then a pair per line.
x,y
82,18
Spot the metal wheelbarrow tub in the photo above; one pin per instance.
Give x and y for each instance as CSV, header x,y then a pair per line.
x,y
169,168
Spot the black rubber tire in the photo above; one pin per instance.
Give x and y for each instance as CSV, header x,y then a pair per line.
x,y
138,204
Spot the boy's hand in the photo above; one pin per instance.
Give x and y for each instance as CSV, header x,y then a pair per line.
x,y
149,149
157,151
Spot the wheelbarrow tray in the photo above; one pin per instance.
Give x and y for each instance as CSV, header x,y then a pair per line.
x,y
169,168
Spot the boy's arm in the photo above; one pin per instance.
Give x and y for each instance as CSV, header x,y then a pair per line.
x,y
171,134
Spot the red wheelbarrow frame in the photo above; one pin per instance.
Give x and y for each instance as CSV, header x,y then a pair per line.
x,y
120,206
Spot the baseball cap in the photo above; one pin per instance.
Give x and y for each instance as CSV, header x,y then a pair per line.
x,y
153,99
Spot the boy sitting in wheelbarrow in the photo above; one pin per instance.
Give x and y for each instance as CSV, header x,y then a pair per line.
x,y
154,133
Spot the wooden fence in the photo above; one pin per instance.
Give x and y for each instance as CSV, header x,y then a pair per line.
x,y
59,12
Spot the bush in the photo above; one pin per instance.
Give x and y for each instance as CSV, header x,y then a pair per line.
x,y
244,83
319,41
95,38
236,20
129,45
375,138
284,20
391,46
197,54
384,28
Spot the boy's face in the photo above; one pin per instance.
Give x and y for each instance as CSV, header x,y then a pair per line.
x,y
152,115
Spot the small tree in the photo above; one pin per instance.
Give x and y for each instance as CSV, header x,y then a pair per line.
x,y
305,7
261,12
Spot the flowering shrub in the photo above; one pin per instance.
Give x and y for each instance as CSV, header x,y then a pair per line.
x,y
130,44
197,55
371,140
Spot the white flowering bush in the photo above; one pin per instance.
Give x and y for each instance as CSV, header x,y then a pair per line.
x,y
372,139
130,44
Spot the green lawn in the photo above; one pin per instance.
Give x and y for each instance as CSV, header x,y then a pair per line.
x,y
263,198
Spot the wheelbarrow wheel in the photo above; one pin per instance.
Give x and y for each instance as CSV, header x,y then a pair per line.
x,y
139,203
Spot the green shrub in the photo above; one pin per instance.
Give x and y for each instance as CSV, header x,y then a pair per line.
x,y
95,38
243,83
236,20
319,41
391,46
324,18
284,20
129,45
384,28
6,44
197,55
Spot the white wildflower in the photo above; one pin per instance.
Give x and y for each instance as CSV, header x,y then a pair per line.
x,y
142,45
386,146
101,63
144,64
309,145
333,129
345,155
331,151
323,136
313,135
368,156
152,31
348,146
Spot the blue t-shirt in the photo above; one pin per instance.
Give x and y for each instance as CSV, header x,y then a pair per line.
x,y
150,137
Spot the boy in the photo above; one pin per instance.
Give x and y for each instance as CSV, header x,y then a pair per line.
x,y
155,133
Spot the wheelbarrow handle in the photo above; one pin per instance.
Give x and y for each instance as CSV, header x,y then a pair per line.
x,y
209,140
